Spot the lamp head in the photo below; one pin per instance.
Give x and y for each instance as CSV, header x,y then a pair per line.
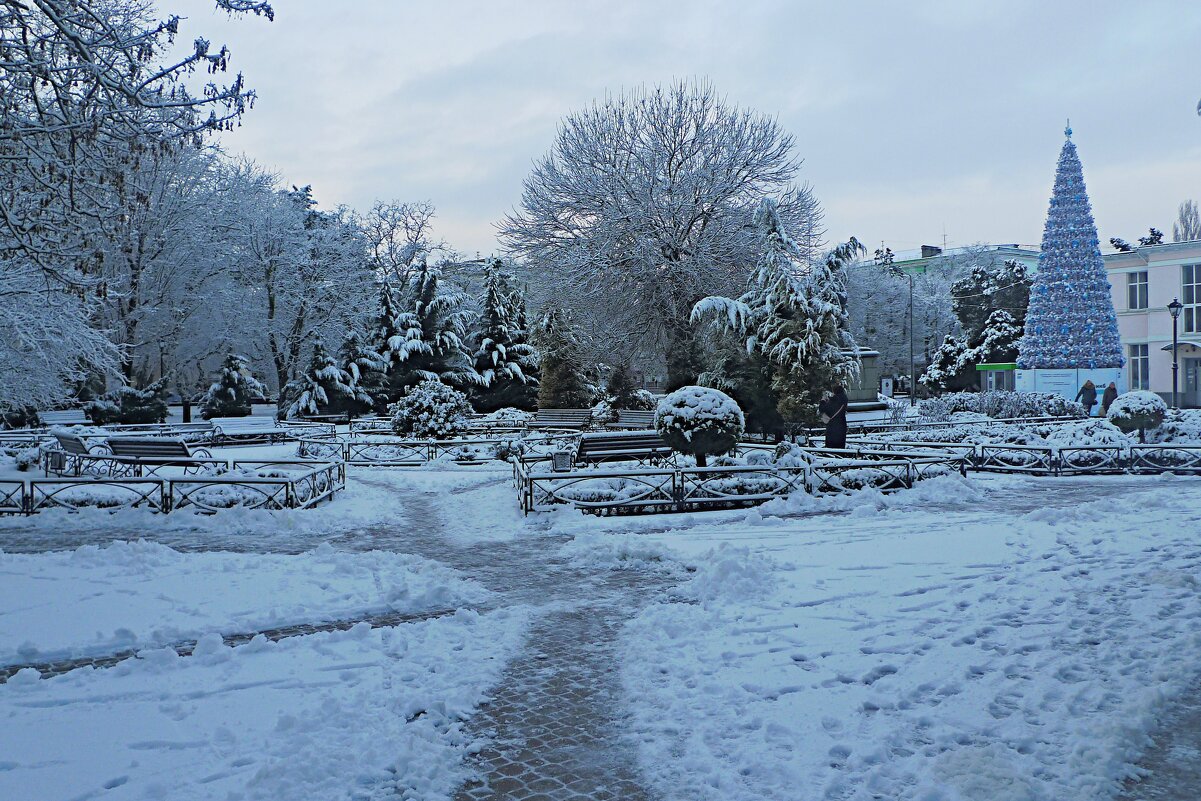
x,y
1174,308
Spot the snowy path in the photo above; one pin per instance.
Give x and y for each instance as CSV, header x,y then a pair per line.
x,y
554,721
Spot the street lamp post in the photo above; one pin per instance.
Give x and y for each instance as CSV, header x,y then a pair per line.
x,y
912,372
1174,309
885,258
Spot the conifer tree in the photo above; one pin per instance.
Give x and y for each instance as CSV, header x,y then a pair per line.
x,y
428,341
620,388
793,314
323,388
235,389
1071,322
365,369
505,362
563,383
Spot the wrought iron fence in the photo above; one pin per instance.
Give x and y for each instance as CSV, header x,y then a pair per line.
x,y
614,491
381,451
281,484
1059,460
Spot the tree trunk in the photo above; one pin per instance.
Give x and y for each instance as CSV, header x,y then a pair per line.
x,y
682,356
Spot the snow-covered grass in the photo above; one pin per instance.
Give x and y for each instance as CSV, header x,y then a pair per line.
x,y
935,644
359,714
97,600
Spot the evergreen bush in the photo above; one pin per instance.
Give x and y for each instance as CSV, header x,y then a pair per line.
x,y
234,391
699,421
430,410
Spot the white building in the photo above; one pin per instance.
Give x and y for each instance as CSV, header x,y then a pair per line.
x,y
1144,281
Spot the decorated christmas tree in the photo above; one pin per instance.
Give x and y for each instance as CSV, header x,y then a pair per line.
x,y
1071,323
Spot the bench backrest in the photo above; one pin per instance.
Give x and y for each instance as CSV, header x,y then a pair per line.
x,y
632,443
642,418
66,417
148,448
260,423
72,444
565,418
207,425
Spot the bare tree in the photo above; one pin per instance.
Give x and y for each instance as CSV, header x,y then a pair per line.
x,y
399,236
85,99
644,206
1188,223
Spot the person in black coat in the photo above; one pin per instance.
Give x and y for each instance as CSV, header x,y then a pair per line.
x,y
1088,396
1111,395
834,411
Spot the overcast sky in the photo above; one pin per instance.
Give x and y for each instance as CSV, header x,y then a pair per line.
x,y
913,118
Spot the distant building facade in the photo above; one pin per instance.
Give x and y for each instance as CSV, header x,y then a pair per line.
x,y
1144,281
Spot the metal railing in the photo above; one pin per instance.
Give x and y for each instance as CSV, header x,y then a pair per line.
x,y
1060,460
280,484
676,489
382,451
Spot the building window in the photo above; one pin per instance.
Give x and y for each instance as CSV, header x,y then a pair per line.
x,y
1136,290
1139,378
1190,296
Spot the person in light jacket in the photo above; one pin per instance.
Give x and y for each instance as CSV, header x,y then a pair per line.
x,y
1111,395
1088,397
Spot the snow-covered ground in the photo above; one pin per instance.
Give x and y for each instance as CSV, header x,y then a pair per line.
x,y
364,713
950,642
998,637
101,599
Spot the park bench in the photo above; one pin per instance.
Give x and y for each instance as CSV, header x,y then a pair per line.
x,y
247,430
64,417
335,419
635,419
576,419
73,455
627,446
134,454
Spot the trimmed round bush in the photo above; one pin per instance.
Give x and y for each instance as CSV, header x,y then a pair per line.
x,y
699,421
430,410
1138,411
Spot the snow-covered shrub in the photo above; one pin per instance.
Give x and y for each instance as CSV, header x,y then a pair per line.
x,y
999,404
1179,426
1087,434
699,421
507,416
235,389
1138,410
29,457
128,405
603,413
431,410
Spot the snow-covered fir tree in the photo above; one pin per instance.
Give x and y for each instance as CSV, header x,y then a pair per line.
x,y
427,343
1071,322
323,388
235,389
990,304
564,383
506,362
953,365
365,368
623,393
793,314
